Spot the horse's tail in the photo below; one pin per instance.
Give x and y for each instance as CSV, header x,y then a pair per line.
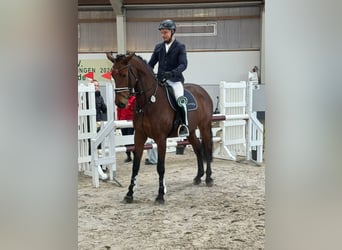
x,y
207,150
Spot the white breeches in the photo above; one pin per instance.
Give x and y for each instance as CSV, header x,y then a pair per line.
x,y
177,88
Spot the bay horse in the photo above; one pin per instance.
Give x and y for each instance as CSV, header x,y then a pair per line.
x,y
154,117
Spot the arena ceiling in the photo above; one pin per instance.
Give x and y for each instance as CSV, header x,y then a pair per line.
x,y
132,3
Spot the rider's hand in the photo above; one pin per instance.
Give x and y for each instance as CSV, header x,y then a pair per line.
x,y
166,76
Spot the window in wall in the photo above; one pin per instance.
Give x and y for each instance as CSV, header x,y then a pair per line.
x,y
197,29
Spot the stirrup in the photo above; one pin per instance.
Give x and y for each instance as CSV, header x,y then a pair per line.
x,y
183,131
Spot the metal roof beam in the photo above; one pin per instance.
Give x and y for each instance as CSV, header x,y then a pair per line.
x,y
193,5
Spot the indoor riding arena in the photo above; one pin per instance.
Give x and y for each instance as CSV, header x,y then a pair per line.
x,y
228,215
224,44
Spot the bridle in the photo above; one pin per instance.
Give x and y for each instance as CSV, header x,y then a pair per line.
x,y
129,87
136,91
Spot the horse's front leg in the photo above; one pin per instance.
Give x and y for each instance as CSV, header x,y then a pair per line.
x,y
139,142
161,170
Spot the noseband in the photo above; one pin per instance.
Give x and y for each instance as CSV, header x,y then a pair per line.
x,y
129,88
133,90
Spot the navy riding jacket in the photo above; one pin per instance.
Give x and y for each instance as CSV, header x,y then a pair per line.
x,y
174,60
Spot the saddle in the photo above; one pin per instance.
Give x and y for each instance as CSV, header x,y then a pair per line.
x,y
192,102
191,105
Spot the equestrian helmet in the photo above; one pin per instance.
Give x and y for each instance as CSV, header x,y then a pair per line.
x,y
168,24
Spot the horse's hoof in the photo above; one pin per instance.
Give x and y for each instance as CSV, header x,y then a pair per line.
x,y
209,182
128,199
197,181
159,201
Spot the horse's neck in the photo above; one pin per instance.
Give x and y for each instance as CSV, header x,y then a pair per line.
x,y
152,93
146,80
148,86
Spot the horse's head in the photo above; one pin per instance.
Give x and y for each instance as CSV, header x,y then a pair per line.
x,y
124,78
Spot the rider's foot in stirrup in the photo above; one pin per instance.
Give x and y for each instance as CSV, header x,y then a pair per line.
x,y
183,131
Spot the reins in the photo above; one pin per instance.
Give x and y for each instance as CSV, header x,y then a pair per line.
x,y
129,87
138,87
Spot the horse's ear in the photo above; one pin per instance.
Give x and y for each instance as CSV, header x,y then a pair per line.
x,y
110,57
129,57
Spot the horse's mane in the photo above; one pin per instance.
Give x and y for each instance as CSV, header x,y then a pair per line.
x,y
142,59
146,63
121,56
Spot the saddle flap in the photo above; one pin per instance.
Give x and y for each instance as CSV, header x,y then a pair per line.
x,y
192,102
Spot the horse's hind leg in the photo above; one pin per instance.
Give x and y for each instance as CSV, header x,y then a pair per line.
x,y
196,145
207,144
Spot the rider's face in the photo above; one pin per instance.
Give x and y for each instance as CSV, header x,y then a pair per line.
x,y
166,34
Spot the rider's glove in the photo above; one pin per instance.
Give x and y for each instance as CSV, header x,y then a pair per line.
x,y
166,76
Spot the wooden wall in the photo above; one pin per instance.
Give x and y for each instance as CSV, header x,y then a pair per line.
x,y
237,28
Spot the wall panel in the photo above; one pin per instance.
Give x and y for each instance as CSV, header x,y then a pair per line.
x,y
238,28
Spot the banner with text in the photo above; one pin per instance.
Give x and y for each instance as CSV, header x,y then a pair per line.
x,y
98,66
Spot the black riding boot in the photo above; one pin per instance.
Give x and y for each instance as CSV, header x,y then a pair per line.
x,y
183,129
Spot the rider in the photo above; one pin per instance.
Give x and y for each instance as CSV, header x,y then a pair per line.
x,y
171,55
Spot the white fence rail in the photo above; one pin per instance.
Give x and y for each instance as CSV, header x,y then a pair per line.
x,y
237,133
240,137
86,125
